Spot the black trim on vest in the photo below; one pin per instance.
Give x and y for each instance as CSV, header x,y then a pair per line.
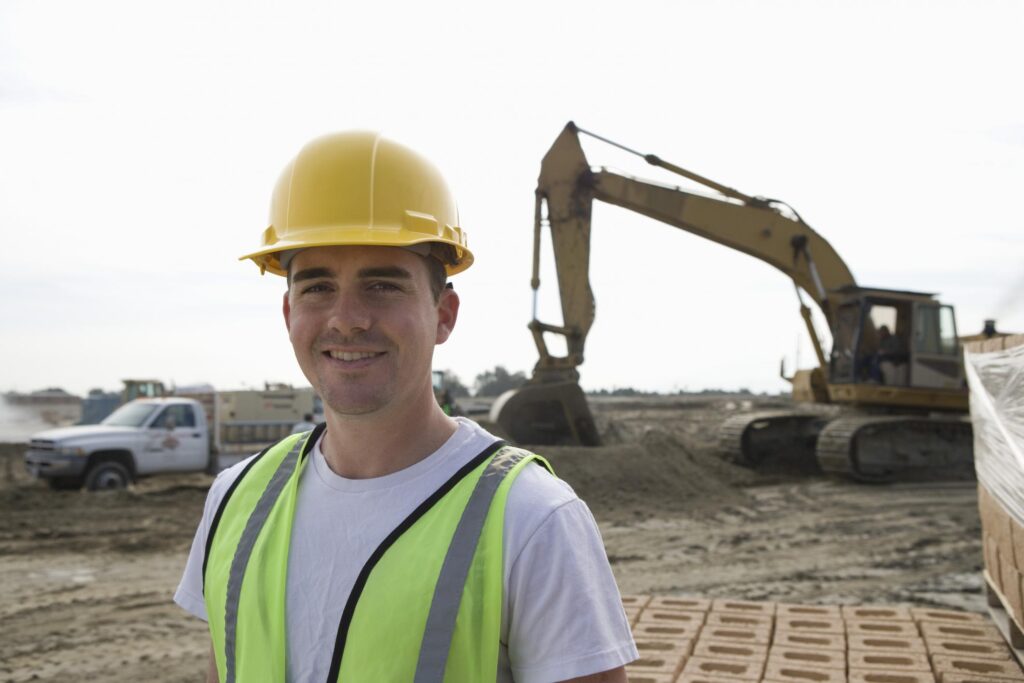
x,y
224,501
364,574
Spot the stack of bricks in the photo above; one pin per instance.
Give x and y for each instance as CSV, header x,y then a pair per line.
x,y
1003,547
1002,531
694,640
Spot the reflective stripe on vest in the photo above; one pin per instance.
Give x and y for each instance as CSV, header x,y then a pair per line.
x,y
425,608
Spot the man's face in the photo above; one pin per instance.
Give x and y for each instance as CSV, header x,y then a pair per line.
x,y
363,323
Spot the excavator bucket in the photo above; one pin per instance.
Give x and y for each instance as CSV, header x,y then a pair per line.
x,y
546,413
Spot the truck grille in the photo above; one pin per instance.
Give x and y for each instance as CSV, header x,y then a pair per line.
x,y
42,445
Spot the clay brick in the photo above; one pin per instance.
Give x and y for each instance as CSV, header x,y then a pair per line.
x,y
787,610
1017,541
632,614
946,616
984,505
976,649
809,625
725,649
686,604
701,678
647,677
816,659
662,631
988,632
653,646
992,563
876,676
669,664
876,613
889,661
993,344
1000,528
735,619
1011,588
657,616
888,644
993,668
781,672
969,678
750,636
722,669
901,629
810,641
638,601
1012,341
995,525
743,607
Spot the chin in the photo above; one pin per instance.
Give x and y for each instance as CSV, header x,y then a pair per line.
x,y
354,405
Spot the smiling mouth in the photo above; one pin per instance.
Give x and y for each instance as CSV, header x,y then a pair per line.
x,y
350,356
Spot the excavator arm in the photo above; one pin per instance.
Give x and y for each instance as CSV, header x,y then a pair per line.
x,y
568,186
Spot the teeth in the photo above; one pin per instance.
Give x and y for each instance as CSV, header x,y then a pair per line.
x,y
344,355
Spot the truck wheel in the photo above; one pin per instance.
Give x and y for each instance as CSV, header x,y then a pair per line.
x,y
65,483
107,476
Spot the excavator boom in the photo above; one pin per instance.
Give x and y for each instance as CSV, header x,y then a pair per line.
x,y
893,351
567,188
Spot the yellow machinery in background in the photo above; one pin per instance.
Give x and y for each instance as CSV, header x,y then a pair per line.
x,y
895,356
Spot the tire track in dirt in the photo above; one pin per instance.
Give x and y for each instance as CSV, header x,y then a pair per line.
x,y
823,541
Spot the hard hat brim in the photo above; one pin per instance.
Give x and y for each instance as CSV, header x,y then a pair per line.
x,y
268,258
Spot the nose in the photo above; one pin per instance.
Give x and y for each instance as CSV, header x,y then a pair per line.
x,y
351,314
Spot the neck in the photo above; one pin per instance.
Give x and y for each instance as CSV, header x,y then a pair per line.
x,y
378,444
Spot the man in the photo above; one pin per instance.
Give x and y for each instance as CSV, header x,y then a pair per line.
x,y
393,543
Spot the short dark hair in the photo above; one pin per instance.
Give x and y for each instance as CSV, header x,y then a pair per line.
x,y
436,275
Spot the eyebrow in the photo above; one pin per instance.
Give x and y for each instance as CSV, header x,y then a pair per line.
x,y
396,272
312,274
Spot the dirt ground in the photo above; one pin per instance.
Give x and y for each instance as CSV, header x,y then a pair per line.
x,y
86,579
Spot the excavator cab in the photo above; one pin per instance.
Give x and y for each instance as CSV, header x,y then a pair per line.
x,y
142,388
887,342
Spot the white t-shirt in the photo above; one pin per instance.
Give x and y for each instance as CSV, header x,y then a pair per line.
x,y
562,615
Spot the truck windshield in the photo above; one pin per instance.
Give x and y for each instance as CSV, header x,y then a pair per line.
x,y
130,415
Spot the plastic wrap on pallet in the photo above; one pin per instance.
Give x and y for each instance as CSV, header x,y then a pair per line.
x,y
996,382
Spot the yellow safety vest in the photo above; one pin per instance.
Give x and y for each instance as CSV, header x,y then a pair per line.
x,y
426,607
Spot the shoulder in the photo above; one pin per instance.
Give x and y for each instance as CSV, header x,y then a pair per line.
x,y
539,506
226,478
225,481
534,495
537,489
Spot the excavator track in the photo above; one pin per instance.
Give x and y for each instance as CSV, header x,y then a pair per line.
x,y
753,438
882,448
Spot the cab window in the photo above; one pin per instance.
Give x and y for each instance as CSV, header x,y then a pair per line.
x,y
179,415
935,331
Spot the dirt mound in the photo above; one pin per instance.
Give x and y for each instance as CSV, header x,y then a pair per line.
x,y
648,477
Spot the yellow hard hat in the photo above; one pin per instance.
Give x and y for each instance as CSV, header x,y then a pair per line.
x,y
360,188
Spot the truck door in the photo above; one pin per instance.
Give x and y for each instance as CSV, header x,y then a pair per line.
x,y
175,442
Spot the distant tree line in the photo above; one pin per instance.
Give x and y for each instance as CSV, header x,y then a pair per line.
x,y
499,380
630,391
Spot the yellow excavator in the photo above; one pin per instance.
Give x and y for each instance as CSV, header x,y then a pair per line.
x,y
895,358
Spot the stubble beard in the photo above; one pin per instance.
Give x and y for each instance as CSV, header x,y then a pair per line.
x,y
353,400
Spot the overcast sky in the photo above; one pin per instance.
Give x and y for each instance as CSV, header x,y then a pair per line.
x,y
140,141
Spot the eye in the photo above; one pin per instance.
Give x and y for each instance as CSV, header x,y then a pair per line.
x,y
316,288
384,287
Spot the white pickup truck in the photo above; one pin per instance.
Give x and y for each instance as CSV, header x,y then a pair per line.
x,y
144,437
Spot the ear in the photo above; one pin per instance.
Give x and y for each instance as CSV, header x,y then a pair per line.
x,y
447,314
286,309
